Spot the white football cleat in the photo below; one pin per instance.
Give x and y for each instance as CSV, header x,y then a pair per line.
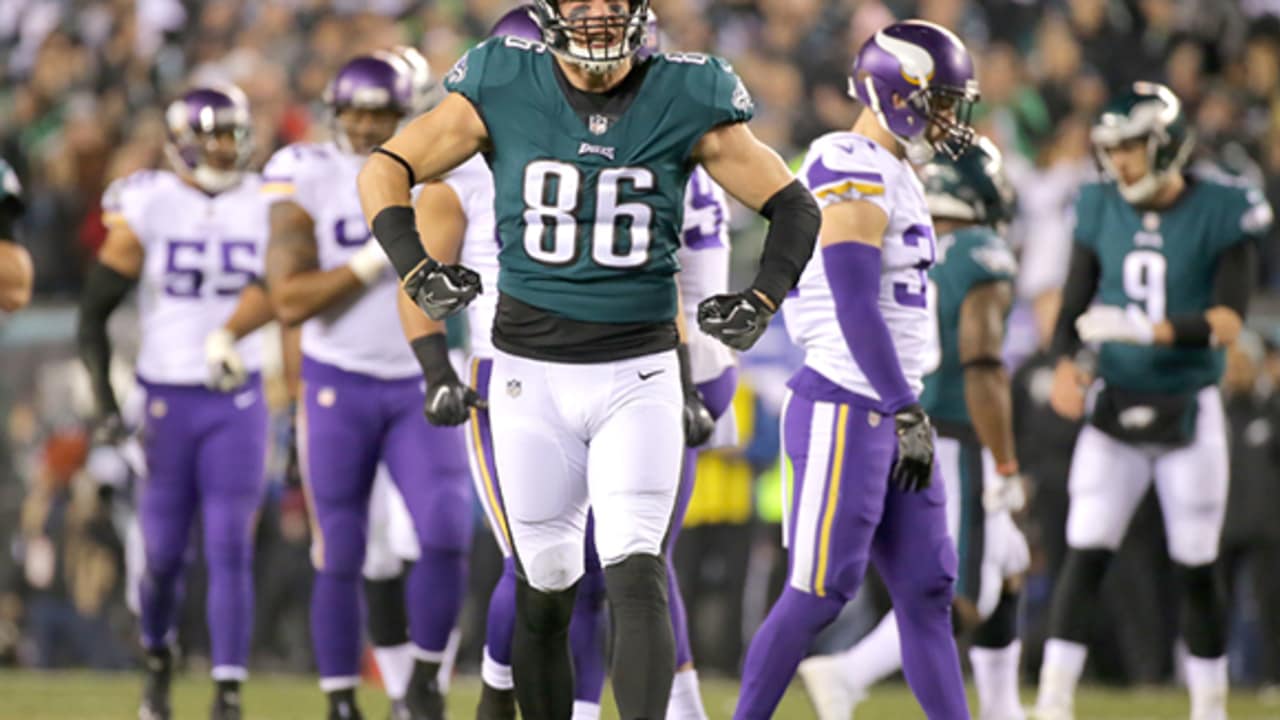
x,y
832,696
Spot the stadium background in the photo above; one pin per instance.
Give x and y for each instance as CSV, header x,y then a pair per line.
x,y
80,104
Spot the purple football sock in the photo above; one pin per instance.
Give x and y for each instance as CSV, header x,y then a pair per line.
x,y
778,647
436,587
501,621
586,638
335,623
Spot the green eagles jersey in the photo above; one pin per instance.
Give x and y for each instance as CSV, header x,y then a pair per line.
x,y
966,258
589,209
1164,262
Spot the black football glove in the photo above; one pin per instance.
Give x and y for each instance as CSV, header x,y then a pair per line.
x,y
737,320
442,290
450,403
913,470
698,423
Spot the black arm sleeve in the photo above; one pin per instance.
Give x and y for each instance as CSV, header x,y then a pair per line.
x,y
396,231
103,290
432,352
1237,276
794,220
1082,283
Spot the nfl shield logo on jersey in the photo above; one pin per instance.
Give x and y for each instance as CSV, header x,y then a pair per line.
x,y
514,387
598,124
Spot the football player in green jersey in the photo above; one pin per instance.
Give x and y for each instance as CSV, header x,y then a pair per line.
x,y
966,393
1171,260
591,149
16,273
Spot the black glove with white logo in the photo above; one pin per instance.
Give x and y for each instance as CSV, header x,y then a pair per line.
x,y
442,290
737,320
698,423
449,400
913,470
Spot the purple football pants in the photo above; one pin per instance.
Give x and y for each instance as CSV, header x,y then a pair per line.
x,y
842,513
205,450
349,423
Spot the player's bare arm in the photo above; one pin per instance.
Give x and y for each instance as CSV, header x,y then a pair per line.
x,y
426,149
986,383
16,276
297,287
109,281
754,174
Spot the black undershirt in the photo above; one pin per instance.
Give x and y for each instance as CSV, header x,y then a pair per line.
x,y
527,331
612,103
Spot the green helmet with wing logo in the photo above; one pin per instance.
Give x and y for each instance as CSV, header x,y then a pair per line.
x,y
971,188
1151,112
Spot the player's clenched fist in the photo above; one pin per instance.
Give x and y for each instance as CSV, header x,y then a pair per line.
x,y
442,290
737,319
913,470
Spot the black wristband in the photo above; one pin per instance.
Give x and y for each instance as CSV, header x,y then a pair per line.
x,y
1191,331
432,352
686,369
794,220
408,169
396,231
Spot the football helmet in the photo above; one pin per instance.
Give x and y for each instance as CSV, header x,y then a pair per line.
x,y
427,92
377,81
971,188
192,123
521,22
580,40
918,79
1151,111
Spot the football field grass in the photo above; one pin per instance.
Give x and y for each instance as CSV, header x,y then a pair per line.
x,y
83,696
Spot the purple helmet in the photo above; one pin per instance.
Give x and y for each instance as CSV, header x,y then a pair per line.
x,y
194,118
927,68
521,22
377,81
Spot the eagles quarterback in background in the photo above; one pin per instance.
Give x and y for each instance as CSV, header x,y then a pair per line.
x,y
1171,258
591,150
966,394
16,273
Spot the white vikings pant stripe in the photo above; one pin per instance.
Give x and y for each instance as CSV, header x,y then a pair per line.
x,y
813,493
1109,478
484,471
788,483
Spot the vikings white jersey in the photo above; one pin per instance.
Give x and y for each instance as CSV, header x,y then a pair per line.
x,y
472,181
201,251
364,334
842,167
704,269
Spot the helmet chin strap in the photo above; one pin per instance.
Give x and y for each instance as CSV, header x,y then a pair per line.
x,y
577,55
1143,190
